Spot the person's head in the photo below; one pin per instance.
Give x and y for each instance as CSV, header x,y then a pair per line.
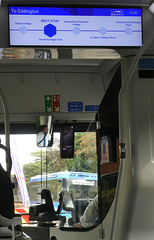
x,y
44,129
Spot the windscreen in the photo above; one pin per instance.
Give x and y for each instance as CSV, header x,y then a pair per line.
x,y
82,27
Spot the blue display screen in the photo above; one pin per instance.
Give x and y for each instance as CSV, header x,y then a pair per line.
x,y
82,27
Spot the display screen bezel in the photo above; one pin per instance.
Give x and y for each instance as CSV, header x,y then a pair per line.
x,y
65,154
74,46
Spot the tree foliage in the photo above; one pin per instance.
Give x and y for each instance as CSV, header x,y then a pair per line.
x,y
84,160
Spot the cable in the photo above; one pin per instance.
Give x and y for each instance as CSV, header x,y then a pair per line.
x,y
91,122
46,168
41,172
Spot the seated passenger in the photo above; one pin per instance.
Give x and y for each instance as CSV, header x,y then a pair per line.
x,y
91,214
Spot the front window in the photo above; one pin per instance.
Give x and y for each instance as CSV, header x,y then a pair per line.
x,y
37,168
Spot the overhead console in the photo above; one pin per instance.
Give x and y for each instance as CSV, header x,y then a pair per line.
x,y
75,26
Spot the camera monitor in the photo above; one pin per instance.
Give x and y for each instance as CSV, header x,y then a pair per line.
x,y
67,141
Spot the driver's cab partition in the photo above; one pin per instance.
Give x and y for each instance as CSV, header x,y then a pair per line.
x,y
108,146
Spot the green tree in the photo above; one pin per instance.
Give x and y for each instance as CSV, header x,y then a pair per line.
x,y
51,162
85,159
85,154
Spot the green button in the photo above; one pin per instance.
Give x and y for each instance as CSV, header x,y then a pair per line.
x,y
48,99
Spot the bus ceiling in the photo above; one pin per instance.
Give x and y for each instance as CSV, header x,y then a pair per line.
x,y
92,68
101,2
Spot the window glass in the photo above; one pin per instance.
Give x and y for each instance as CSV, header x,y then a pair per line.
x,y
108,149
108,189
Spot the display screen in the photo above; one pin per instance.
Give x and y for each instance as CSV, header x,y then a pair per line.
x,y
67,142
82,27
104,149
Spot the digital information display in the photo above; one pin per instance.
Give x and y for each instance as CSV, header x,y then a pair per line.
x,y
93,27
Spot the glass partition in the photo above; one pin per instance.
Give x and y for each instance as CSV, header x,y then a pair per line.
x,y
108,190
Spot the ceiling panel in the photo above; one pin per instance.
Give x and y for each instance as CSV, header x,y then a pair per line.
x,y
94,2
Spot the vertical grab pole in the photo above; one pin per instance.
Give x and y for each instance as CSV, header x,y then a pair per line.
x,y
7,128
